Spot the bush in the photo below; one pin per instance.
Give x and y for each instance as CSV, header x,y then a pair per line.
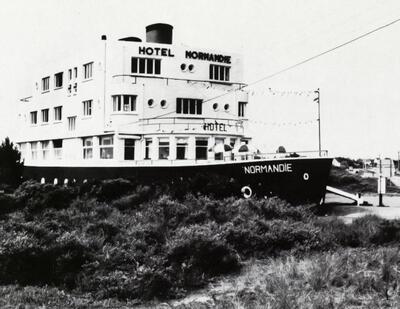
x,y
8,204
108,190
387,231
132,201
105,229
28,263
196,253
36,197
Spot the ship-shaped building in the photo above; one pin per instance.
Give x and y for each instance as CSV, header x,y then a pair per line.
x,y
148,108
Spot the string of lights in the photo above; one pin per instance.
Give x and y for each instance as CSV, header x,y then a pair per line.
x,y
286,123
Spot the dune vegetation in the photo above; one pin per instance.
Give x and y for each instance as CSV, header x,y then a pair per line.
x,y
116,243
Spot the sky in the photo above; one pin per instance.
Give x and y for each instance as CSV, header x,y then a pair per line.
x,y
359,83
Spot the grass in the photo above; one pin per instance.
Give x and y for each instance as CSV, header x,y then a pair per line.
x,y
349,278
116,243
341,179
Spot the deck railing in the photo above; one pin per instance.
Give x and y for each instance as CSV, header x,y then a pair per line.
x,y
190,123
233,158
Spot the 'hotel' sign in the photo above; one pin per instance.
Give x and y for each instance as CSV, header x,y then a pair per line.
x,y
214,126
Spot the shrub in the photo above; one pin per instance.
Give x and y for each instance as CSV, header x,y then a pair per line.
x,y
359,233
36,197
108,190
196,253
387,231
105,229
8,204
27,263
133,200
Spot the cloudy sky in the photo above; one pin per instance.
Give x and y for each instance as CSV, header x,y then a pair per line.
x,y
359,83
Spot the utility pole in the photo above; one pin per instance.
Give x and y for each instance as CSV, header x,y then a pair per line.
x,y
398,161
317,99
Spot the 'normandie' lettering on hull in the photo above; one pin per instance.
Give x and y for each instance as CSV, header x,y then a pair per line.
x,y
268,168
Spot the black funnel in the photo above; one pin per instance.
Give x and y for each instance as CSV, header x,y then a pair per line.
x,y
159,33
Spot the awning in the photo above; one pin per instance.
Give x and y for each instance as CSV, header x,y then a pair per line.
x,y
245,148
218,148
227,147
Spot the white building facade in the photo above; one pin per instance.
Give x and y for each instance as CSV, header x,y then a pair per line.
x,y
130,102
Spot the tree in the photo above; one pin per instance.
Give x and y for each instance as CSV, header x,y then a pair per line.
x,y
11,165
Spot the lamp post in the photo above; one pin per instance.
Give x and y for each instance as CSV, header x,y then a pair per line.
x,y
317,99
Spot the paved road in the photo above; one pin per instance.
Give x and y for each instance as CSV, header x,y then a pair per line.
x,y
342,207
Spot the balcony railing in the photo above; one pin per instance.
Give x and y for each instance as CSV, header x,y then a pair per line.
x,y
191,123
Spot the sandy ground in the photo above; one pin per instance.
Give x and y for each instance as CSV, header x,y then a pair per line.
x,y
342,207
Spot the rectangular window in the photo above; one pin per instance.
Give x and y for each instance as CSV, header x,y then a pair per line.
x,y
189,106
34,117
58,113
219,149
22,149
34,150
219,72
146,66
129,153
199,105
71,123
57,145
45,149
124,103
58,80
185,103
142,65
148,146
149,69
75,73
157,69
201,148
181,148
134,64
87,70
46,83
163,148
87,147
69,74
45,115
241,108
106,147
87,108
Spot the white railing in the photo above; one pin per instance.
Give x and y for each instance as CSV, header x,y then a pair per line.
x,y
229,158
190,123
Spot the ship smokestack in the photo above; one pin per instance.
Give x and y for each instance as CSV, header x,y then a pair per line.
x,y
159,33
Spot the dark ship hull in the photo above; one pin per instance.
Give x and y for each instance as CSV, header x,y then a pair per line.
x,y
298,180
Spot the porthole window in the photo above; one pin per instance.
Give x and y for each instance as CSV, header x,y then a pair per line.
x,y
215,106
150,102
183,66
191,68
163,103
226,107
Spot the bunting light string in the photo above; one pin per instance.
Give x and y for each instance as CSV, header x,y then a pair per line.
x,y
302,93
284,93
286,123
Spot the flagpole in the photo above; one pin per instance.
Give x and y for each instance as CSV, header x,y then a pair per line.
x,y
317,99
